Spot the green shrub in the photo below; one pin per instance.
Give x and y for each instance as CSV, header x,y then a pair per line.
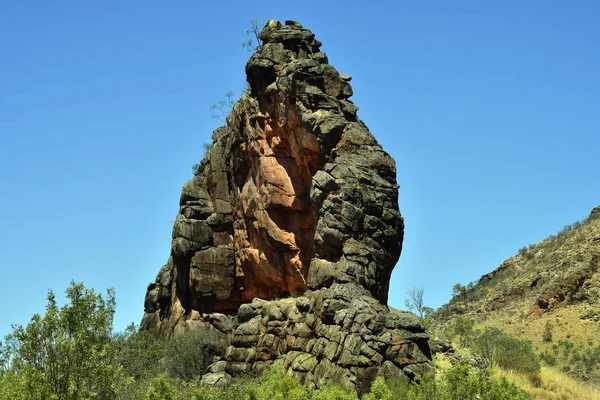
x,y
461,382
132,389
426,389
161,389
275,384
498,348
240,389
458,383
399,388
188,355
139,353
379,390
333,392
547,334
548,359
502,390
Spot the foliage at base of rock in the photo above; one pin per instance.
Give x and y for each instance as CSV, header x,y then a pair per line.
x,y
161,389
188,355
379,390
275,384
462,382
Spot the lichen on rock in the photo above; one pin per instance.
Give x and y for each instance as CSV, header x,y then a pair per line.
x,y
295,204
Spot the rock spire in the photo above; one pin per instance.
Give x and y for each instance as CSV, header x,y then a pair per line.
x,y
291,223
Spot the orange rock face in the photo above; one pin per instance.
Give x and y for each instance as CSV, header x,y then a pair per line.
x,y
275,219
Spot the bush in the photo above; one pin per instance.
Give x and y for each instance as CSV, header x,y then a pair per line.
x,y
332,392
240,389
379,390
187,356
547,334
161,389
459,382
139,353
502,390
505,351
275,384
548,359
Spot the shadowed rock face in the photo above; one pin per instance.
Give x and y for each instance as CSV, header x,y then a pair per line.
x,y
294,195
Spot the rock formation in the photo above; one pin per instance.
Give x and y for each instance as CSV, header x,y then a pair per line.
x,y
291,223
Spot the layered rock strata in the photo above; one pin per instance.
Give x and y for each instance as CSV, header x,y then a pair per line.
x,y
336,335
296,204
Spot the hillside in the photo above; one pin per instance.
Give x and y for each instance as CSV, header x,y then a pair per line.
x,y
560,270
548,293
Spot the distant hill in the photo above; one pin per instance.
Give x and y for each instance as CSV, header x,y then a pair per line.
x,y
548,293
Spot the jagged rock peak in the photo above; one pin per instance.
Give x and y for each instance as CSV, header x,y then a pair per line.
x,y
294,200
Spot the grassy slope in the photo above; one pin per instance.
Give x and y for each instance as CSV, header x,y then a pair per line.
x,y
550,286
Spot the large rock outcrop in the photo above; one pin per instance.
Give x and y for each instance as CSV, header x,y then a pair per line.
x,y
292,224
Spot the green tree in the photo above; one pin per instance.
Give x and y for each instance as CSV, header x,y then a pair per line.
x,y
463,328
67,353
459,291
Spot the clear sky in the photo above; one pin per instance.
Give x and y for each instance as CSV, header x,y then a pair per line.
x,y
491,110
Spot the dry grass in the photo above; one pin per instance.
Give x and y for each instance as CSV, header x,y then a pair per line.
x,y
565,321
554,385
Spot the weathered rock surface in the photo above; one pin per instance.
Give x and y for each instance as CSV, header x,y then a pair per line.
x,y
295,204
339,334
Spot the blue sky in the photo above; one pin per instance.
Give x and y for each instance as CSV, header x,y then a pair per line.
x,y
490,109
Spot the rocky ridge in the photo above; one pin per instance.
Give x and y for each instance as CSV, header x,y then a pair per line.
x,y
548,293
287,234
564,268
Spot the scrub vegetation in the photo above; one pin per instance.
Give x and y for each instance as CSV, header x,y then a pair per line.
x,y
72,353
